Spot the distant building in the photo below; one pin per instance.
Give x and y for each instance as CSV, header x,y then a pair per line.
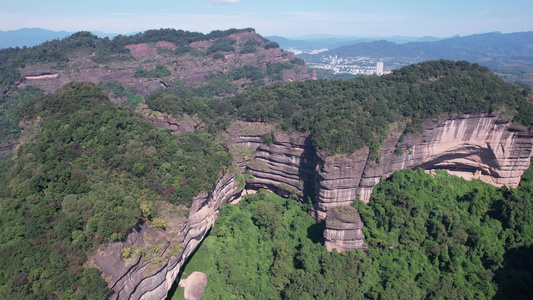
x,y
379,68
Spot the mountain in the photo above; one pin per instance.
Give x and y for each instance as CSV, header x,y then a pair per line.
x,y
509,54
315,42
472,48
29,37
234,59
110,200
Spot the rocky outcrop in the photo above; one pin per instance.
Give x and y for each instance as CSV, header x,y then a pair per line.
x,y
152,278
343,230
485,146
194,286
337,179
163,121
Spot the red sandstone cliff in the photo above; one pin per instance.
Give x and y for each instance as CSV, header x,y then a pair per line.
x,y
483,146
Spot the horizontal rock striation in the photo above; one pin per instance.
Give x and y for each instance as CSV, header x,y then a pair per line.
x,y
343,230
484,146
287,166
337,179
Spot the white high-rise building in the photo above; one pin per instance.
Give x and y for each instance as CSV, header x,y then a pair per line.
x,y
379,68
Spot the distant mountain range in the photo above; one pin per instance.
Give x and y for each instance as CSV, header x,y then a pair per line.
x,y
34,36
509,55
314,42
478,47
30,37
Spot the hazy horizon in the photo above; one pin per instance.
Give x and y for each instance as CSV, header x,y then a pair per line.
x,y
292,19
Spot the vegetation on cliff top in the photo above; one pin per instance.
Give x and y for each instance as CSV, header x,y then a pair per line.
x,y
79,182
429,237
345,115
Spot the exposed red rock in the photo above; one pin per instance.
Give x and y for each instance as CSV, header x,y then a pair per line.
x,y
343,230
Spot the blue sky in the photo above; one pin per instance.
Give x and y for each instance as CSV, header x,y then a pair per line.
x,y
289,18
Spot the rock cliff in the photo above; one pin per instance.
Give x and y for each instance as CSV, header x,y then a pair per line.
x,y
484,146
145,277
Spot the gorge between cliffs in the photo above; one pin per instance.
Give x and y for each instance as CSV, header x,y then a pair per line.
x,y
484,146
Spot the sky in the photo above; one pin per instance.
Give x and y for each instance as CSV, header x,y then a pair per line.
x,y
288,18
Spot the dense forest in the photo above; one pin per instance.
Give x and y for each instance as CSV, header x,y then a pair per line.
x,y
345,115
430,237
80,181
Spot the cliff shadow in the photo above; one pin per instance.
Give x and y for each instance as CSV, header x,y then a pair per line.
x,y
307,173
175,288
515,279
315,233
486,156
306,170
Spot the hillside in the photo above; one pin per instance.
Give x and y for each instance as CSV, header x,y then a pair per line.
x,y
87,173
147,61
128,68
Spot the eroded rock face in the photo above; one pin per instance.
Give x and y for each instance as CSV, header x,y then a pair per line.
x,y
286,166
481,146
143,279
343,230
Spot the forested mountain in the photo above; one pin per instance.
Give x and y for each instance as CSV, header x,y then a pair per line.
x,y
472,48
85,172
346,115
80,180
223,61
